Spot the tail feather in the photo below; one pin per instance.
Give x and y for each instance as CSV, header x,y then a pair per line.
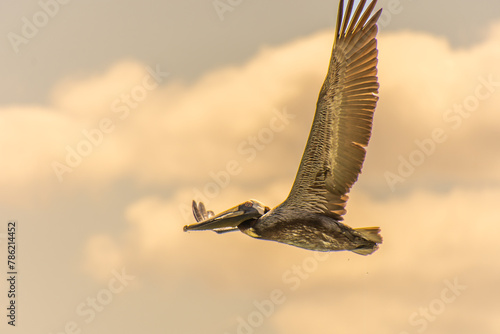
x,y
365,250
371,234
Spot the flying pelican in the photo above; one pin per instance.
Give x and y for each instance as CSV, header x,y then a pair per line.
x,y
311,215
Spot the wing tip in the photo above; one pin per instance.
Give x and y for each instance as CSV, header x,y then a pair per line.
x,y
348,25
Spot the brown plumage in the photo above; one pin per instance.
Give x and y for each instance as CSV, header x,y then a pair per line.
x,y
310,216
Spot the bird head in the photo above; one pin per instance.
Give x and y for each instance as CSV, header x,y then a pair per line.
x,y
230,219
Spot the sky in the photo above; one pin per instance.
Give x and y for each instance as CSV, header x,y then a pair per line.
x,y
116,115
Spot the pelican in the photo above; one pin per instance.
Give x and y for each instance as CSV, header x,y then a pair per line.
x,y
311,215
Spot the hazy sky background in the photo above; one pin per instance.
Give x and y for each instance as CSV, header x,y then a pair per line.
x,y
115,115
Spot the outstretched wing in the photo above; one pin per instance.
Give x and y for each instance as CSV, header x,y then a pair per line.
x,y
342,125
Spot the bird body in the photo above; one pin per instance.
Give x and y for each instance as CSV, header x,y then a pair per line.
x,y
311,215
313,231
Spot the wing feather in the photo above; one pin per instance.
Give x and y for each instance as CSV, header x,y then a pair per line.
x,y
342,125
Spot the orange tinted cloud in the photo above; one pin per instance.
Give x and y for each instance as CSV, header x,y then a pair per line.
x,y
182,131
181,137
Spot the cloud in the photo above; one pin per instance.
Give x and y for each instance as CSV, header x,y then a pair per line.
x,y
427,85
100,254
415,227
429,239
152,225
237,133
176,133
88,97
31,138
431,235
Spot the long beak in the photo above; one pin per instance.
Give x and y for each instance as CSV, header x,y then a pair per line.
x,y
225,221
